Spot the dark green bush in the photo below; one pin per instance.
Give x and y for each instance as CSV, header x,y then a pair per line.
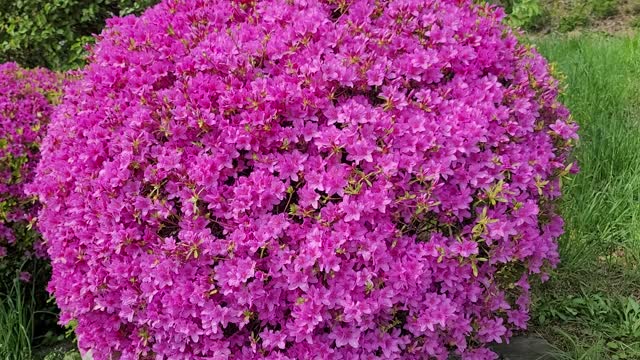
x,y
573,21
525,14
52,33
603,9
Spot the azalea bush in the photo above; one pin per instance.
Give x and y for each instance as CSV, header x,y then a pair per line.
x,y
26,104
304,180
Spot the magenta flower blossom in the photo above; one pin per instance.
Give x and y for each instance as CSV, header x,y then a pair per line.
x,y
24,276
303,180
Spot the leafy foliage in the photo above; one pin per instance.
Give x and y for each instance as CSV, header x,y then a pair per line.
x,y
53,33
525,14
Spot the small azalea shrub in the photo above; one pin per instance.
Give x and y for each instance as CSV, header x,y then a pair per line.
x,y
26,98
303,180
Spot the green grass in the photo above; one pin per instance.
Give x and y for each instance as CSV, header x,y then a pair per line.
x,y
590,308
28,329
16,323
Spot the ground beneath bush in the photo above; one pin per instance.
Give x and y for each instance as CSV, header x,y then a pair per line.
x,y
526,348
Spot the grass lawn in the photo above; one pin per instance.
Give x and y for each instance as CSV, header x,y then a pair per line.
x,y
590,309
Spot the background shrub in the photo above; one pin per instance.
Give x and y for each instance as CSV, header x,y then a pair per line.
x,y
605,8
297,180
26,103
526,14
26,98
54,33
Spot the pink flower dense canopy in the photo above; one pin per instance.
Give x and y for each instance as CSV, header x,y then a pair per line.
x,y
25,108
291,179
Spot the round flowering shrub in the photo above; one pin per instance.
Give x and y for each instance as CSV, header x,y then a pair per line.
x,y
26,98
292,179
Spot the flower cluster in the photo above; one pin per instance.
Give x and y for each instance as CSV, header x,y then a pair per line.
x,y
293,179
26,98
